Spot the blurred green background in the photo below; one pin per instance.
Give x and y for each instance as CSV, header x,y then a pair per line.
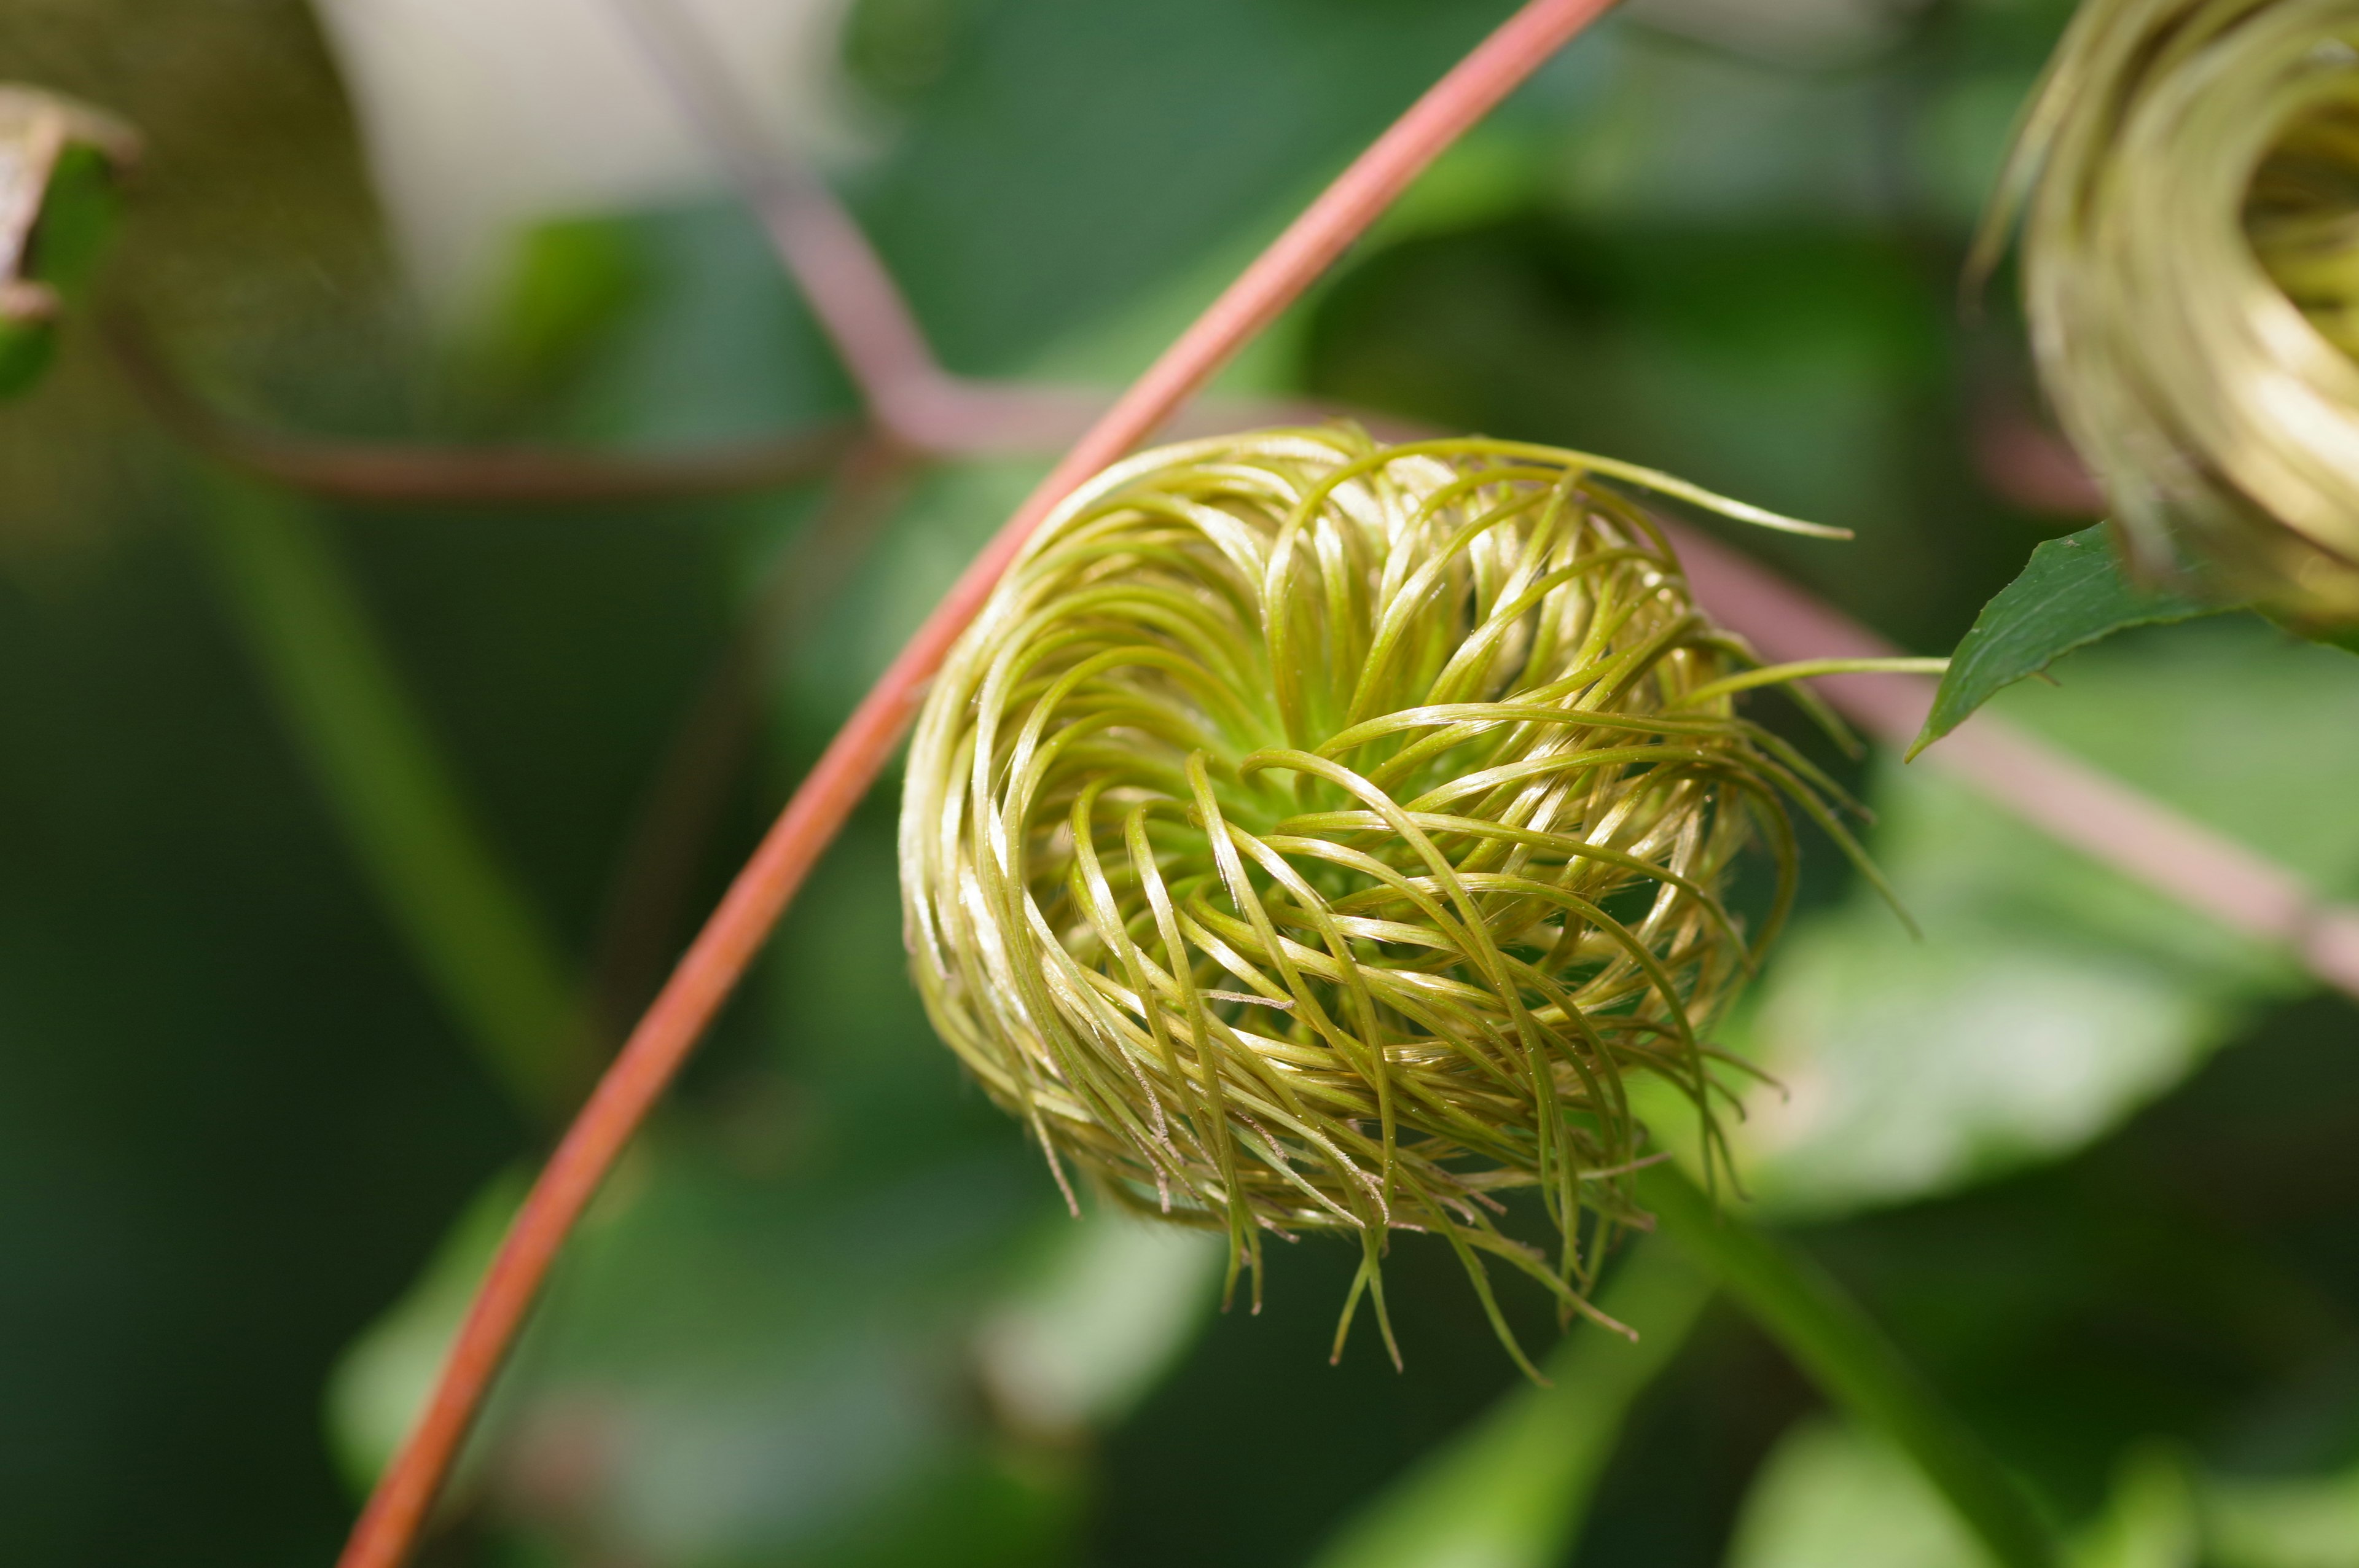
x,y
337,839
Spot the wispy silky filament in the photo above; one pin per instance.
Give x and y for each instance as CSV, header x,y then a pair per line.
x,y
1312,834
2189,181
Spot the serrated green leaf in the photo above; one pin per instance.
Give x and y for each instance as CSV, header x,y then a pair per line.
x,y
2071,593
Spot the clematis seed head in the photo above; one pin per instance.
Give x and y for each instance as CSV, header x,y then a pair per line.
x,y
2187,179
1314,834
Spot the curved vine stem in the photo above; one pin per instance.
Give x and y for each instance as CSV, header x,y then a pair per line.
x,y
397,1512
1843,1351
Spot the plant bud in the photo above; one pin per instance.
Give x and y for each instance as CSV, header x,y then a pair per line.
x,y
1314,834
2188,177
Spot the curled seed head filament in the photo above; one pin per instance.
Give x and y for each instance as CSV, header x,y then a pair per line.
x,y
1313,834
2187,179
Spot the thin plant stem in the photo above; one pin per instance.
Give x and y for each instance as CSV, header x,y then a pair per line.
x,y
427,473
2046,787
478,939
397,473
885,347
715,962
859,306
1843,1350
650,894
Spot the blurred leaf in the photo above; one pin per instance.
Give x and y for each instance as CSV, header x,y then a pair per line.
x,y
1513,1490
2071,593
1071,154
1834,1341
2198,717
766,1342
1961,135
676,325
1115,1300
2347,640
58,166
2299,1522
379,1387
1701,134
1833,1494
402,811
725,1366
78,213
25,349
2050,994
2164,1512
757,1361
730,1368
1908,1068
899,49
1488,175
2149,1519
575,284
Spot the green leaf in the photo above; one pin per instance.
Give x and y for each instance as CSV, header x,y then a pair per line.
x,y
2294,1521
1511,1490
2051,996
1108,1305
2151,1518
2071,594
1834,1493
1844,1351
25,349
57,168
379,1387
2345,638
79,212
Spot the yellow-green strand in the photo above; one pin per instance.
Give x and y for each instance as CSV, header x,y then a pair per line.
x,y
2188,180
1312,834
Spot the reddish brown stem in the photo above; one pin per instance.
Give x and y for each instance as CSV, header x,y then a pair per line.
x,y
404,474
859,306
651,896
396,1513
918,404
398,474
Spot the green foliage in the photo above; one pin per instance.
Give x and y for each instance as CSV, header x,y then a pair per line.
x,y
237,1110
1831,1493
25,349
1845,1352
898,49
2050,996
1836,1494
79,211
2071,593
407,822
574,283
1513,1490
